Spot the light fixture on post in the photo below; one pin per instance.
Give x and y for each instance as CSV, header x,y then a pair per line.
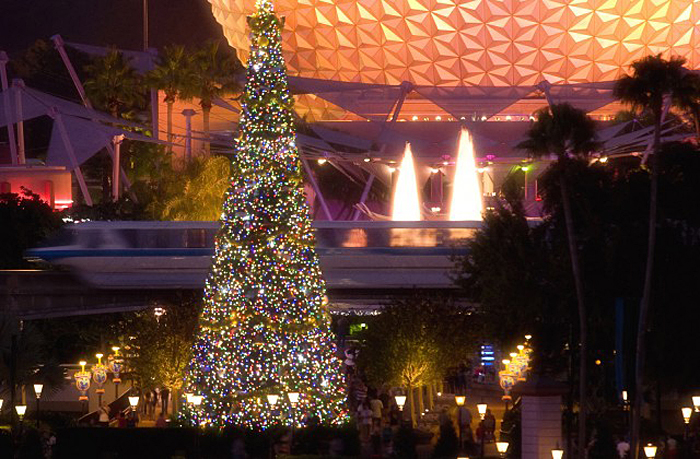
x,y
502,447
557,453
293,398
400,401
1,402
116,365
696,403
687,412
21,410
82,383
481,408
38,389
99,377
196,400
650,451
272,400
459,400
134,402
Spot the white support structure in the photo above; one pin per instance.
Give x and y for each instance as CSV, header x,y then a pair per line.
x,y
188,113
17,86
55,114
117,141
60,47
312,179
6,101
363,198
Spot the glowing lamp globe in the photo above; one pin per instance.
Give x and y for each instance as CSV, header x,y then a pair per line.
x,y
21,409
400,401
696,403
460,399
687,412
38,388
650,451
481,407
272,399
293,398
557,453
502,447
196,400
134,401
1,402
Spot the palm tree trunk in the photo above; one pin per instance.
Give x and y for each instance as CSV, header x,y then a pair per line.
x,y
646,292
205,122
169,127
583,327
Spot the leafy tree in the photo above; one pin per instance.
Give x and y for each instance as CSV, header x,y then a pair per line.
x,y
27,220
653,79
566,132
414,341
174,74
113,85
215,74
160,345
24,359
196,193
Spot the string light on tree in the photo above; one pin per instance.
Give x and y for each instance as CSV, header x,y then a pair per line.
x,y
265,328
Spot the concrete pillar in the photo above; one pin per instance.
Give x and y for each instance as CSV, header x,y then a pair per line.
x,y
541,416
188,113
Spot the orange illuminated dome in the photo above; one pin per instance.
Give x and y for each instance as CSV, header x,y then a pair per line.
x,y
480,42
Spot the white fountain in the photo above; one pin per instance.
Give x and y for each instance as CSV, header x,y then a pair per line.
x,y
467,203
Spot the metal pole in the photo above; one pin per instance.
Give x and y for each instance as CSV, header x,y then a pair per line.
x,y
17,86
53,113
116,161
145,25
363,198
59,45
6,102
324,206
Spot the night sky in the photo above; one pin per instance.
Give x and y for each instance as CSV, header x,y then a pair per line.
x,y
105,22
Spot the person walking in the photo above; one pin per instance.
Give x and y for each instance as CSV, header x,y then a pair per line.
x,y
464,421
104,416
161,422
364,416
377,407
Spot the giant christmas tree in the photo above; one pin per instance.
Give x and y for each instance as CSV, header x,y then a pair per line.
x,y
265,328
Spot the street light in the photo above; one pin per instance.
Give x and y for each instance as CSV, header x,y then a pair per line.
x,y
481,407
38,388
133,401
557,453
272,400
196,400
21,409
650,451
687,413
502,447
400,401
1,401
460,399
696,403
293,398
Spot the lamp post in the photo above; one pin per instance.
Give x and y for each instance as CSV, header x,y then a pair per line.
x,y
116,365
82,383
502,448
400,401
557,453
99,377
21,410
134,402
687,413
696,403
38,388
481,408
293,401
650,451
459,400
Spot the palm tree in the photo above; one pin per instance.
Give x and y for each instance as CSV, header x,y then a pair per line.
x,y
566,132
113,85
653,80
215,74
174,75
